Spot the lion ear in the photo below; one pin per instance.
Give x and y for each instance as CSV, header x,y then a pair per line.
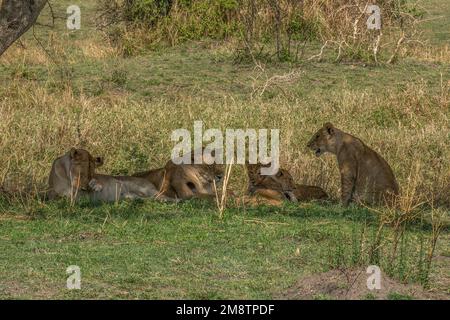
x,y
73,153
329,127
98,162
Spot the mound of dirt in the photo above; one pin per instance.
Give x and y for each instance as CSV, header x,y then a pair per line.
x,y
351,284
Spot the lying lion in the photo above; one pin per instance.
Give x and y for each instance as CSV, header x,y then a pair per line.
x,y
185,181
73,175
274,189
114,188
365,175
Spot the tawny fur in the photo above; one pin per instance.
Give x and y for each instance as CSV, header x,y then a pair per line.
x,y
365,175
71,173
185,181
114,188
274,189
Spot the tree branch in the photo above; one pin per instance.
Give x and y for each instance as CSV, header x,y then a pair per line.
x,y
16,17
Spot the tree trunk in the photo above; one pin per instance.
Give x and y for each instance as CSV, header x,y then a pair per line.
x,y
16,17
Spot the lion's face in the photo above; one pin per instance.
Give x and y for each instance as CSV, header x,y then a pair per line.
x,y
323,140
208,171
210,174
281,181
82,168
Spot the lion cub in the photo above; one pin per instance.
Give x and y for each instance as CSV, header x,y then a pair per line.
x,y
365,175
279,187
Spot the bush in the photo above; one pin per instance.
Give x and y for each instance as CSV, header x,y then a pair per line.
x,y
283,24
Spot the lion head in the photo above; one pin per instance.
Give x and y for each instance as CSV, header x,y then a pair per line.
x,y
324,140
281,181
82,167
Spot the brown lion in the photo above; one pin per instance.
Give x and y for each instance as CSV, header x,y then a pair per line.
x,y
365,175
114,188
185,181
279,187
71,173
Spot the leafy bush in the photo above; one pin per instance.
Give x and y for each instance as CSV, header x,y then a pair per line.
x,y
283,24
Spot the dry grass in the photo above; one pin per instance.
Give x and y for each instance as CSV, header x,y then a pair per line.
x,y
56,51
406,126
436,54
408,123
339,23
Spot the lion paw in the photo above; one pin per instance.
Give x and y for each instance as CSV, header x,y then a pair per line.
x,y
95,185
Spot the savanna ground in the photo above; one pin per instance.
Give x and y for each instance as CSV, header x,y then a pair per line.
x,y
73,88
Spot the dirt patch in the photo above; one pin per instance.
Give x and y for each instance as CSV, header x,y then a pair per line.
x,y
351,284
18,290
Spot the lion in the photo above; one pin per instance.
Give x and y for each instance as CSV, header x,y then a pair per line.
x,y
108,188
185,181
71,173
279,187
365,175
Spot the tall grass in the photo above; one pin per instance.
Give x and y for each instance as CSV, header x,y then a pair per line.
x,y
404,125
405,256
281,27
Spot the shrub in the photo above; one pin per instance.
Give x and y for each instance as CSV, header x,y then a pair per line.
x,y
280,25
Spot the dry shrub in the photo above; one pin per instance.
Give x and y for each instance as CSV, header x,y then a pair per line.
x,y
278,26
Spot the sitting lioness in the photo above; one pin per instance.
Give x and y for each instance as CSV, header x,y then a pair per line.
x,y
185,181
279,187
365,175
71,173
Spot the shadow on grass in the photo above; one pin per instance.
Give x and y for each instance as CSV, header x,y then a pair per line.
x,y
148,209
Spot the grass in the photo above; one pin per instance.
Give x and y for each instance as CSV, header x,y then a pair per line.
x,y
81,91
148,250
397,296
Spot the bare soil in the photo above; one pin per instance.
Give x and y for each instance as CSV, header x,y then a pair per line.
x,y
351,284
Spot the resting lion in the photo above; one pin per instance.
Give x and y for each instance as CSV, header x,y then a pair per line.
x,y
185,181
365,175
71,173
114,188
274,189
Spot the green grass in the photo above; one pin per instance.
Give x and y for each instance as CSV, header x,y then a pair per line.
x,y
206,69
398,296
198,71
437,24
149,250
